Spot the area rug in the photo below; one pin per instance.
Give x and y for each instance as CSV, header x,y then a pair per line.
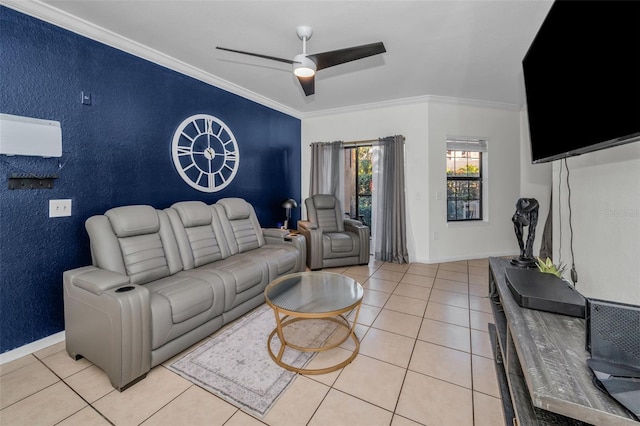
x,y
236,366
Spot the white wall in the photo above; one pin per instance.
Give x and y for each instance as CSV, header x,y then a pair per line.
x,y
410,120
494,235
605,202
426,123
535,180
605,189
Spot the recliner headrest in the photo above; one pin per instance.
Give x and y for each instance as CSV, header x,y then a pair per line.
x,y
324,201
129,221
235,208
193,213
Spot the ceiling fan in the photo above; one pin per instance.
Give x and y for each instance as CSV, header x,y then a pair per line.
x,y
305,66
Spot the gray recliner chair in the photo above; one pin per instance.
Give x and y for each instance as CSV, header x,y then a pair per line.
x,y
332,240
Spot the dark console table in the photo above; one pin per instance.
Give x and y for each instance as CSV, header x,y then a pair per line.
x,y
541,364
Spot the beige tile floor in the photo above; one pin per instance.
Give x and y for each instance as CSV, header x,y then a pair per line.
x,y
425,359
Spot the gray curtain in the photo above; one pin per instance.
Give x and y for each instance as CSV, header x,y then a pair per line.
x,y
327,165
389,229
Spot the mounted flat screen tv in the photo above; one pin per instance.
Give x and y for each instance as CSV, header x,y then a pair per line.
x,y
582,79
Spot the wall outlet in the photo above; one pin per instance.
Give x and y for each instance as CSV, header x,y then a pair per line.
x,y
59,208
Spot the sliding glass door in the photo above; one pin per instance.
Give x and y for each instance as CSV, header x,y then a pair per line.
x,y
357,183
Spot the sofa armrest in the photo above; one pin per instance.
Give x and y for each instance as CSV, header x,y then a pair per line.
x,y
108,321
353,223
96,280
274,235
313,236
285,236
362,231
306,225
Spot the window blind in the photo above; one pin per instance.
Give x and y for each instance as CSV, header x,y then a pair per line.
x,y
470,145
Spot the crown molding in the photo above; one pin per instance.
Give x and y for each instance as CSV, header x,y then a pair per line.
x,y
52,15
474,103
427,99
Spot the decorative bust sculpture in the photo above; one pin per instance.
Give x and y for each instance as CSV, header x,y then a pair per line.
x,y
526,215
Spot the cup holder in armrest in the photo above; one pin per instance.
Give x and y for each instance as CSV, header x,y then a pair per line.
x,y
124,289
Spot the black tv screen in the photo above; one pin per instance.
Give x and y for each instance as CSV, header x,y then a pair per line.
x,y
582,78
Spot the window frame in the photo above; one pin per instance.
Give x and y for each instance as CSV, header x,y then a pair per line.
x,y
467,145
353,152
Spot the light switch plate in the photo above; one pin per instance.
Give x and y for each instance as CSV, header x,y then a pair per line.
x,y
59,208
86,98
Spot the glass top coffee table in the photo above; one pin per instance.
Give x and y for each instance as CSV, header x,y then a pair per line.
x,y
312,296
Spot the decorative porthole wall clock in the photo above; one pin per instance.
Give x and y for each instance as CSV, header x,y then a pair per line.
x,y
205,153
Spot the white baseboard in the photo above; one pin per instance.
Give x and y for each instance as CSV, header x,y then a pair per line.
x,y
468,257
31,347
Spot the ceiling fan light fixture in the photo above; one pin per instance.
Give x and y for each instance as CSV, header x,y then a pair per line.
x,y
303,66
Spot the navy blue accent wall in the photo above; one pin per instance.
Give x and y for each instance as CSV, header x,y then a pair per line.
x,y
115,152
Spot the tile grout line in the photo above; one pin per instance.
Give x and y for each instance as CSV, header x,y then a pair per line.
x,y
74,391
415,342
331,387
413,348
393,412
174,398
473,398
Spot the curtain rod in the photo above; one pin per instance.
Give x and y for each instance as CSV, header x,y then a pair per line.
x,y
365,141
362,142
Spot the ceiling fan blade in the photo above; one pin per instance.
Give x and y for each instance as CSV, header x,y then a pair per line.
x,y
341,56
273,58
308,85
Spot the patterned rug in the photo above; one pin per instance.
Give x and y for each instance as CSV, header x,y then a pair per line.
x,y
236,366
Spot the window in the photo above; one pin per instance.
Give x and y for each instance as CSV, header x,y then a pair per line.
x,y
464,179
358,173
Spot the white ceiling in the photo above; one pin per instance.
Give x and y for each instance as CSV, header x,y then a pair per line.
x,y
459,49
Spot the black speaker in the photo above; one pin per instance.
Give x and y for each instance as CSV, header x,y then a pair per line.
x,y
613,332
613,338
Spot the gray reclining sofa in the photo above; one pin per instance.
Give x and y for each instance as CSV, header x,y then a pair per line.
x,y
162,280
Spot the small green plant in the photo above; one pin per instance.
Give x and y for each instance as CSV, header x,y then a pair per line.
x,y
548,267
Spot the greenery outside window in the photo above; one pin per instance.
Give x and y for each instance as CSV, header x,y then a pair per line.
x,y
465,179
358,178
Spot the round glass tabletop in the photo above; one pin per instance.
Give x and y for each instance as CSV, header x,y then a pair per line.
x,y
314,292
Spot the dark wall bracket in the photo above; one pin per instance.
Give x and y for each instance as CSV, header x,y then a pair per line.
x,y
27,181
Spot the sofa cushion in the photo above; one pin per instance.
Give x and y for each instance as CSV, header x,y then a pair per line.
x,y
240,224
193,213
128,221
281,258
327,220
245,235
137,230
235,208
193,226
187,297
182,302
144,258
324,201
340,244
324,211
204,245
246,273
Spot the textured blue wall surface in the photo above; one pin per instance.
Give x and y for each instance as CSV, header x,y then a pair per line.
x,y
115,152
